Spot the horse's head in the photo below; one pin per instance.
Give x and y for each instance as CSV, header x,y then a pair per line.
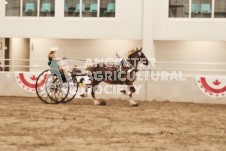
x,y
141,57
135,56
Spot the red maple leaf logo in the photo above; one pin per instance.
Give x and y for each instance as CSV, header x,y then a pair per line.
x,y
216,82
33,78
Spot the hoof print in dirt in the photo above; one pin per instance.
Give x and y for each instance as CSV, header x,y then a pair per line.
x,y
83,95
135,105
102,103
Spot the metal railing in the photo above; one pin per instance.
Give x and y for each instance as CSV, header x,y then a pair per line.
x,y
189,67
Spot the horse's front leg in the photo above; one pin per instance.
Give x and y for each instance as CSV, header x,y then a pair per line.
x,y
94,88
131,91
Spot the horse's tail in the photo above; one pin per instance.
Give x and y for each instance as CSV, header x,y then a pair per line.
x,y
89,68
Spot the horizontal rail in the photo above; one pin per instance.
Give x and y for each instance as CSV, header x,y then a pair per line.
x,y
13,65
171,69
191,63
160,69
158,62
147,69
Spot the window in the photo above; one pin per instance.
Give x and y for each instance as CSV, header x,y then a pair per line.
x,y
107,8
72,8
220,9
47,8
90,8
12,8
179,8
29,7
201,8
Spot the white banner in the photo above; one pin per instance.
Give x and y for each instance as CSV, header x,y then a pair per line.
x,y
212,86
27,80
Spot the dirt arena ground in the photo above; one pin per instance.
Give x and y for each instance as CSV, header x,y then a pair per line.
x,y
28,124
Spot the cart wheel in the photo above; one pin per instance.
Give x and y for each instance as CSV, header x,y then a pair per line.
x,y
41,90
54,90
72,90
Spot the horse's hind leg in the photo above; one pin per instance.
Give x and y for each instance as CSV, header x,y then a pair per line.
x,y
131,91
93,94
94,88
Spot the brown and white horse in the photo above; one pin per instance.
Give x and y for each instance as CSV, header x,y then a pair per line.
x,y
111,74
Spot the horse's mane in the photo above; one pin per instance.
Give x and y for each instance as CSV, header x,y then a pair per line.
x,y
130,52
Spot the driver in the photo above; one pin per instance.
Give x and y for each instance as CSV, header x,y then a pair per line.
x,y
53,62
55,68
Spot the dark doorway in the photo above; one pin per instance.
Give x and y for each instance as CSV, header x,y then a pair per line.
x,y
6,54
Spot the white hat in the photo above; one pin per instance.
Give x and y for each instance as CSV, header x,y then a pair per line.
x,y
53,49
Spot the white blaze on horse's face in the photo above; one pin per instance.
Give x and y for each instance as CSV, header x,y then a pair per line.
x,y
139,53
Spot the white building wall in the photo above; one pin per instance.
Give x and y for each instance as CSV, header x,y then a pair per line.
x,y
185,29
148,28
19,49
126,25
79,49
191,51
144,22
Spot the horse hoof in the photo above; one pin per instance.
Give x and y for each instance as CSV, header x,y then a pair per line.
x,y
102,103
123,91
135,105
96,102
83,95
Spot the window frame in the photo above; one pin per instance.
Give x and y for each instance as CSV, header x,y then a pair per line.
x,y
21,15
80,17
31,17
13,16
44,17
38,17
190,19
